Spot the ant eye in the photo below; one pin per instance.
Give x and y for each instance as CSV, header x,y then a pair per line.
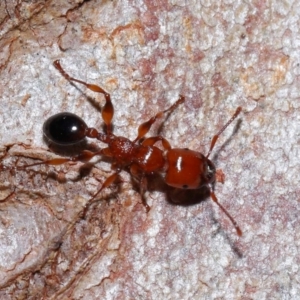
x,y
65,129
211,170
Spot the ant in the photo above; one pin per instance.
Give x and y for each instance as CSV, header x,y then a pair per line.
x,y
181,168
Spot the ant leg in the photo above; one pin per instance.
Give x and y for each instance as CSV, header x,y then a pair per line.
x,y
106,184
84,156
108,109
143,188
215,137
154,139
136,173
145,127
215,199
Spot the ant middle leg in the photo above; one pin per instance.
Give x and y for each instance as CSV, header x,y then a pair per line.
x,y
108,109
145,127
108,181
154,139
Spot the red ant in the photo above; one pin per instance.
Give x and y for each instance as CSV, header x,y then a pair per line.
x,y
180,167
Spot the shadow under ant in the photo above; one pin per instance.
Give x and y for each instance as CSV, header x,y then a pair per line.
x,y
174,196
229,240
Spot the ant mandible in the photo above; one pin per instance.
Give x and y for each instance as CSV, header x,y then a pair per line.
x,y
180,167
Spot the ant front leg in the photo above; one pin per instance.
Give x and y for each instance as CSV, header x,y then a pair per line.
x,y
145,127
143,188
136,173
108,109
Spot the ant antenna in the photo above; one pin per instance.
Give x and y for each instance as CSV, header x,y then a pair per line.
x,y
215,138
234,223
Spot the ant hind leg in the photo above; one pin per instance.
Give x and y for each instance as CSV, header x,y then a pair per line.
x,y
107,110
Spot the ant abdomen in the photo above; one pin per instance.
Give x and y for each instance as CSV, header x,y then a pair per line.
x,y
65,129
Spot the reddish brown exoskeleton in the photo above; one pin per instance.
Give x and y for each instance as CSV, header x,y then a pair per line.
x,y
180,167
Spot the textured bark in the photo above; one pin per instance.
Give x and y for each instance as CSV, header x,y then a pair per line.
x,y
220,55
